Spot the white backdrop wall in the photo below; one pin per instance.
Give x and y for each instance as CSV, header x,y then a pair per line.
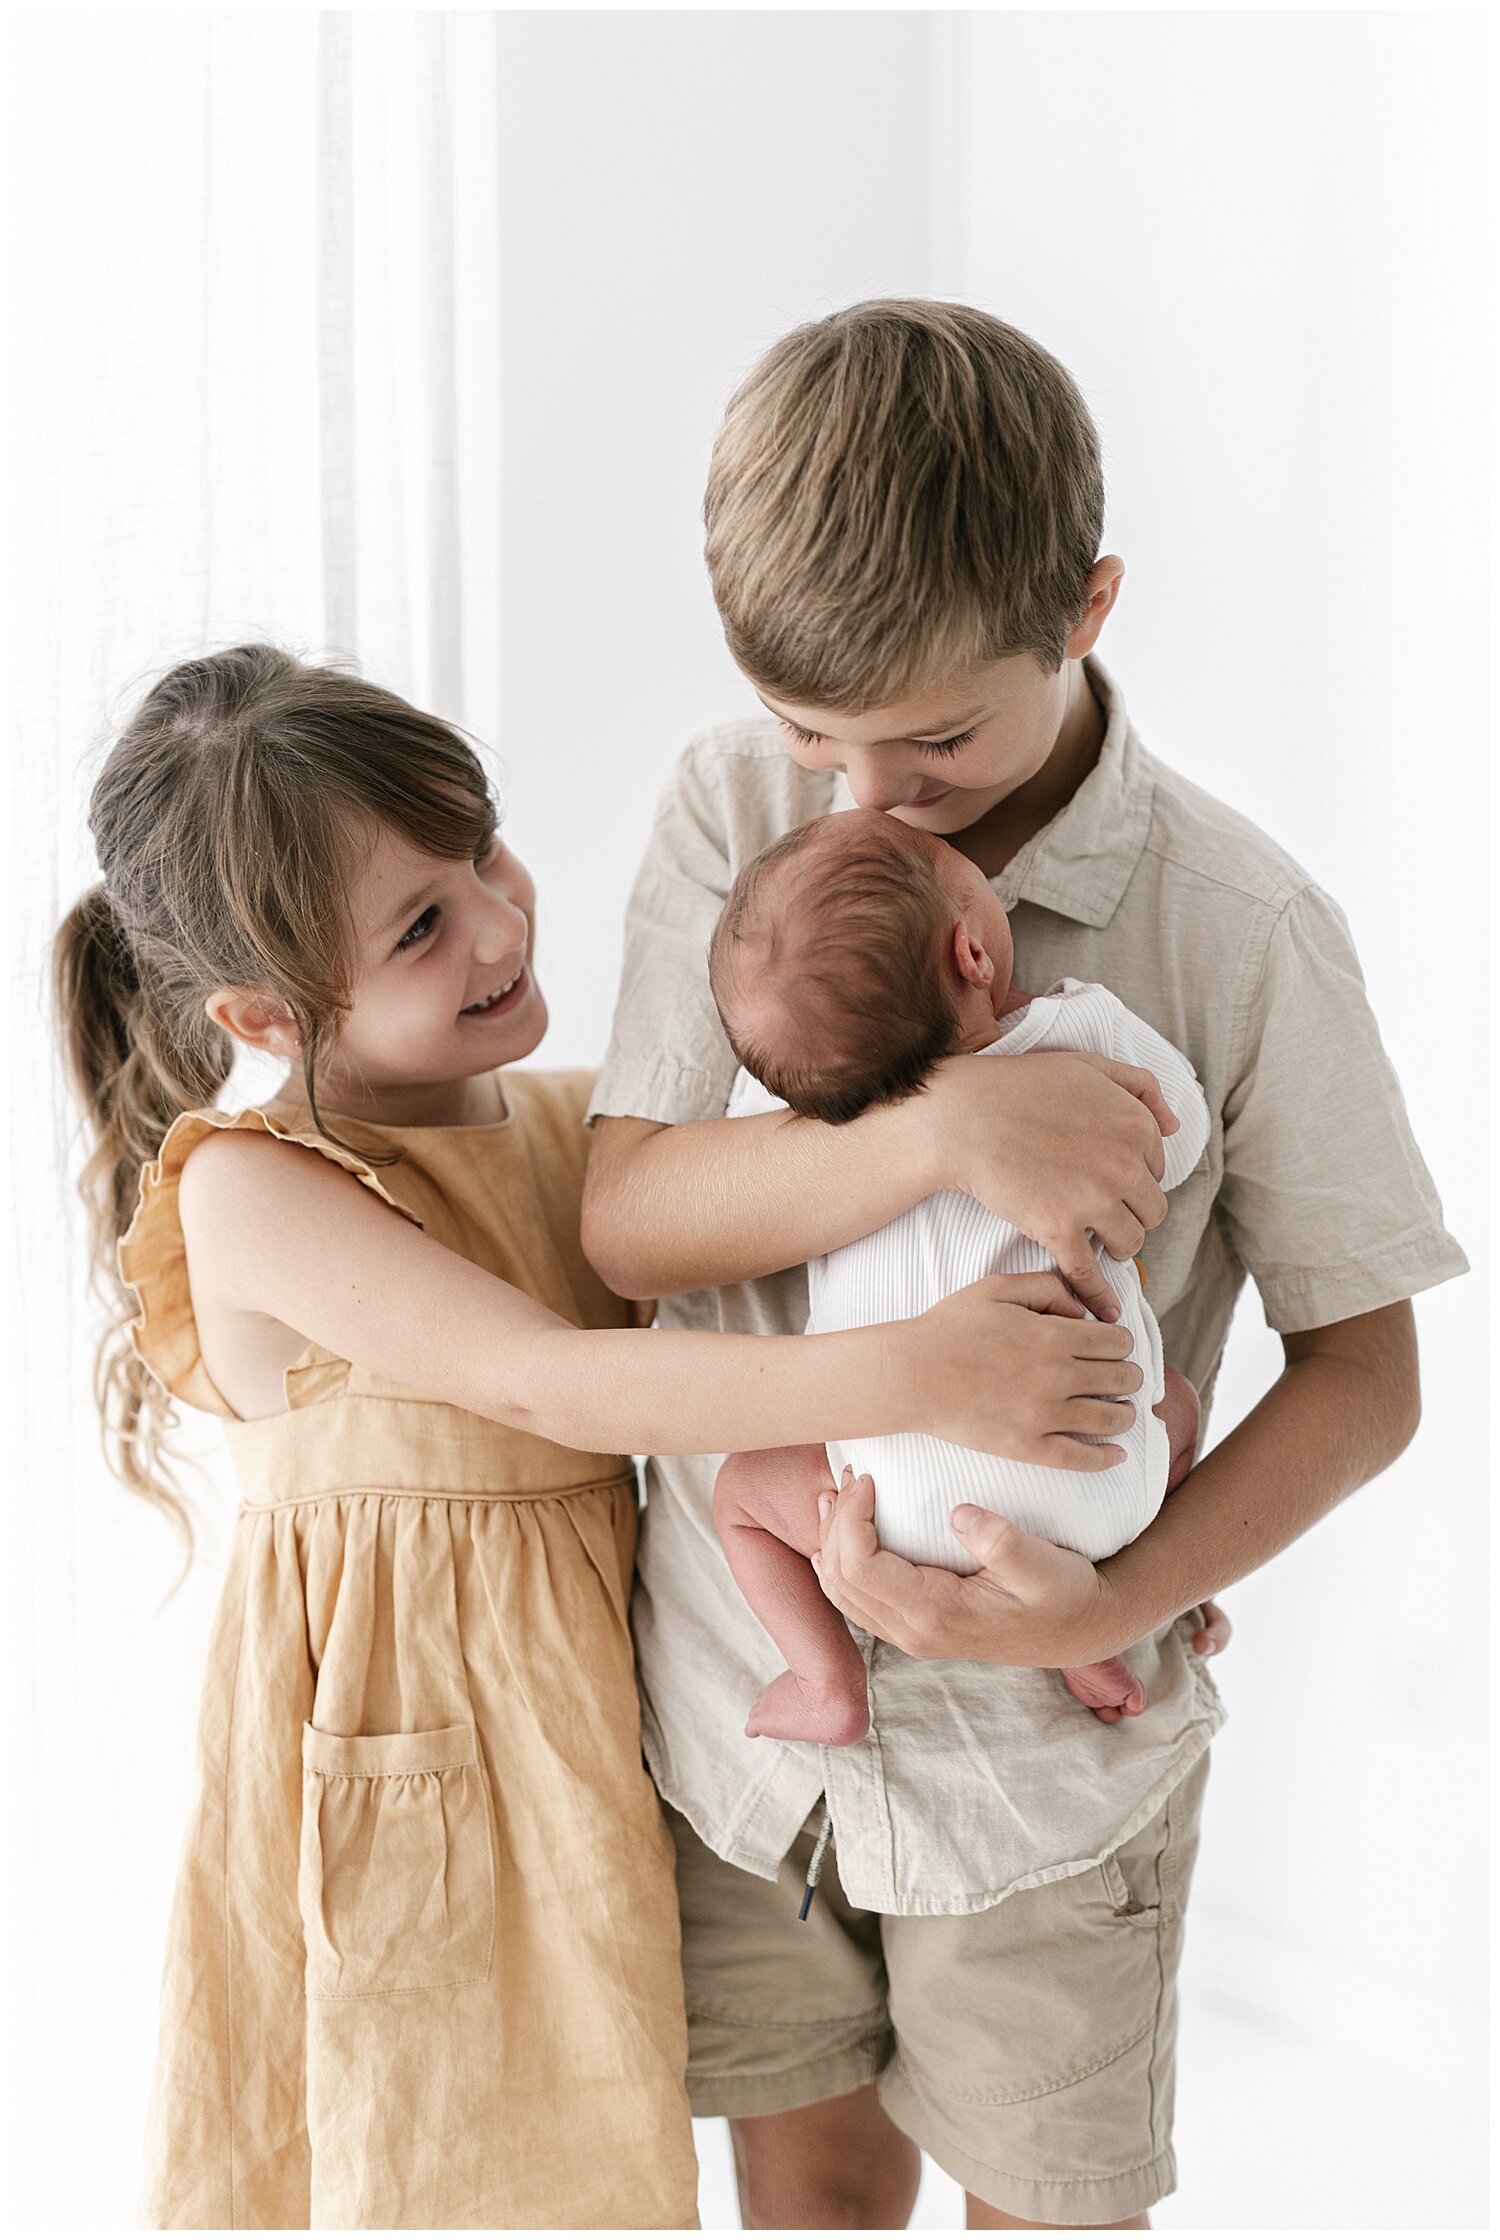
x,y
1249,236
1253,239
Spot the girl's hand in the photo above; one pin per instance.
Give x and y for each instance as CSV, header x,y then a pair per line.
x,y
1013,1366
1057,1142
1031,1604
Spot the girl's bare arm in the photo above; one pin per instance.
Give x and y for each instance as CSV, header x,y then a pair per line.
x,y
276,1231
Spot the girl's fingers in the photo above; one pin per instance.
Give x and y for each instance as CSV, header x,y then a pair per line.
x,y
1043,1294
1107,1418
1106,1378
1101,1341
1064,1450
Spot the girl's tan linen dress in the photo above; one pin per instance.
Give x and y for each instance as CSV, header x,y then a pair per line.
x,y
423,1961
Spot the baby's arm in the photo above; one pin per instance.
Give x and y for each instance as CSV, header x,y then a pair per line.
x,y
1137,1044
766,1511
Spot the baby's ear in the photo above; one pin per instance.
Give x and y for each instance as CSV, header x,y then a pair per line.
x,y
973,960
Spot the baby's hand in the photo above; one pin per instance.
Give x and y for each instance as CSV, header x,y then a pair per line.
x,y
1013,1366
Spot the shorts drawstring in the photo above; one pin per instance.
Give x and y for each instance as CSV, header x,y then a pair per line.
x,y
815,1863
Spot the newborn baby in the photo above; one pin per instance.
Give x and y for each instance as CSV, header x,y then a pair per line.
x,y
853,955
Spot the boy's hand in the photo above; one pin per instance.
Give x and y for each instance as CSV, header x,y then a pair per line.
x,y
1013,1366
1032,1604
1057,1142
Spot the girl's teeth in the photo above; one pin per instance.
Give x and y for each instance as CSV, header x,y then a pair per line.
x,y
490,1001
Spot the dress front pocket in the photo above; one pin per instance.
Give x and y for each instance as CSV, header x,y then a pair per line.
x,y
397,1878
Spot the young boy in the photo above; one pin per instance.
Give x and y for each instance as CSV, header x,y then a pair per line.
x,y
904,516
854,954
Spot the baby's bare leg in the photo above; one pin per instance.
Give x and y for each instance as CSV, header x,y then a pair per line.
x,y
1111,1690
766,1511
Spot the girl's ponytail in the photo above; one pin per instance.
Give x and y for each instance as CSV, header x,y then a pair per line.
x,y
133,1072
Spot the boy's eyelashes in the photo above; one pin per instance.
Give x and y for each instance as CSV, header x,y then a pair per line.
x,y
928,746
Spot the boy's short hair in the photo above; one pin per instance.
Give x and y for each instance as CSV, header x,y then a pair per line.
x,y
898,491
826,966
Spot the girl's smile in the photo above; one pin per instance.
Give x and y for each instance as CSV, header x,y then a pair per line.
x,y
509,996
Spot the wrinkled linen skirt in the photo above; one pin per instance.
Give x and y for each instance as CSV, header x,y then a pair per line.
x,y
423,1963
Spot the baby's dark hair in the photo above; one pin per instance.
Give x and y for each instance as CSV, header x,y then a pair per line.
x,y
826,966
227,819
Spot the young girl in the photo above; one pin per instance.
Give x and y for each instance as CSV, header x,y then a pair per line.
x,y
423,1963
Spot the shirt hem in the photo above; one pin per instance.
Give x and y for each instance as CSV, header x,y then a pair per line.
x,y
872,1898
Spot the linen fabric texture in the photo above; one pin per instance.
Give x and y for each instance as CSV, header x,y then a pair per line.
x,y
1030,2049
949,1240
423,1964
980,1780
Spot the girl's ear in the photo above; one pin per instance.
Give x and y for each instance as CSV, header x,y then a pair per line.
x,y
973,960
259,1020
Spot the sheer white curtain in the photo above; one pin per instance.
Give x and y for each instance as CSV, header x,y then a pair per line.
x,y
254,309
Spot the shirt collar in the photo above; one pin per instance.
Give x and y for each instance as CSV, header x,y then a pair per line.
x,y
1081,863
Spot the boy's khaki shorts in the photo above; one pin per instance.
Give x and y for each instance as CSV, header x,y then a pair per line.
x,y
1030,2049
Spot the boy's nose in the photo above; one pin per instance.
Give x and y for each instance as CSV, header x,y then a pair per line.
x,y
877,787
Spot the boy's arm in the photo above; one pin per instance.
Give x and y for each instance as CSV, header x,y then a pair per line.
x,y
679,1198
1059,1142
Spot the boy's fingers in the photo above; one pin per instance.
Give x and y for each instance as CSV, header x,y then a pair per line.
x,y
1081,1271
1148,1202
1145,1085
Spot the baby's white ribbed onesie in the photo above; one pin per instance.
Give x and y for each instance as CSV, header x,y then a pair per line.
x,y
950,1240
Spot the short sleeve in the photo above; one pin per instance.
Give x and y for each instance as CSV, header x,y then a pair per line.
x,y
153,1256
1325,1196
733,790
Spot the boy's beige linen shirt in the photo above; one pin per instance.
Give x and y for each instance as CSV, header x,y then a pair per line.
x,y
978,1780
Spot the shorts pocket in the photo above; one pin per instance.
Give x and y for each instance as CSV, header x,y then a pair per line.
x,y
397,1874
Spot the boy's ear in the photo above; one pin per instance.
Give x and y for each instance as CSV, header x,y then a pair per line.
x,y
259,1020
973,960
1103,589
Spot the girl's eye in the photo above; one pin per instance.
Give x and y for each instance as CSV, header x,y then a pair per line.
x,y
419,929
805,738
948,746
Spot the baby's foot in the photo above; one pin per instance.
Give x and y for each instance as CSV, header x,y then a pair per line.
x,y
795,1710
1110,1690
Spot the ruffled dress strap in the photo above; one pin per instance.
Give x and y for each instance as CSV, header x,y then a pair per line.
x,y
153,1255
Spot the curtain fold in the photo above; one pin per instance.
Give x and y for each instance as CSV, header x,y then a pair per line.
x,y
253,291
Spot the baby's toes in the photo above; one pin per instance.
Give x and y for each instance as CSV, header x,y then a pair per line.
x,y
1110,1690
